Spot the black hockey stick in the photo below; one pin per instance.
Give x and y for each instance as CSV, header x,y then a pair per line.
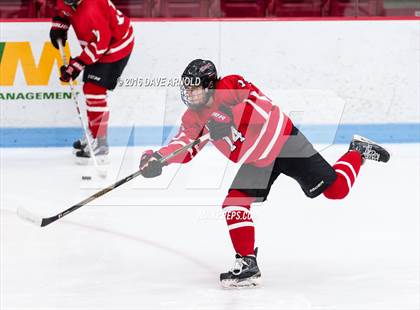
x,y
28,216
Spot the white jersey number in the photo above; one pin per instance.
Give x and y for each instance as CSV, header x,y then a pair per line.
x,y
236,135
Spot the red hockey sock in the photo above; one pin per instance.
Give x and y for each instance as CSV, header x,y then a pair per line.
x,y
97,109
347,169
238,217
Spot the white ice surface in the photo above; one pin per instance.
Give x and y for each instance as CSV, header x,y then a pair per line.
x,y
161,243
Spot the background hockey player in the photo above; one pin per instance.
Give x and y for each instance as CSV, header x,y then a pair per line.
x,y
249,129
107,39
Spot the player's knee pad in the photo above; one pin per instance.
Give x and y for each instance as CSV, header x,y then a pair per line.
x,y
236,208
346,169
94,89
95,98
97,109
237,198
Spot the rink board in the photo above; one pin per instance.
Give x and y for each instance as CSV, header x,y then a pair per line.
x,y
334,78
154,135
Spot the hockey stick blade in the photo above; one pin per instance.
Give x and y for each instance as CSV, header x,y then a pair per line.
x,y
35,219
29,216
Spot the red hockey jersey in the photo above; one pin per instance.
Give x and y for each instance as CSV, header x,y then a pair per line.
x,y
261,127
104,33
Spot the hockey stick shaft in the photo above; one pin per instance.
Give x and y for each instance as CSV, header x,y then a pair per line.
x,y
73,95
49,220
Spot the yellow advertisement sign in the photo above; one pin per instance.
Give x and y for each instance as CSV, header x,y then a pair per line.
x,y
13,54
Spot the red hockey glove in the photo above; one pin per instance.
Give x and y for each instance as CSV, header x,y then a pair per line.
x,y
58,31
219,125
72,71
150,164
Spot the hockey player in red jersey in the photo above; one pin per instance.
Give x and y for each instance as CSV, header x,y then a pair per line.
x,y
107,39
249,129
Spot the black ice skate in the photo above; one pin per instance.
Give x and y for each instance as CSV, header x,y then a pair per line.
x,y
369,149
245,273
80,143
100,149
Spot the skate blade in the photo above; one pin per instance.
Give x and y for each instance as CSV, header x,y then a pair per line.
x,y
74,151
363,139
252,282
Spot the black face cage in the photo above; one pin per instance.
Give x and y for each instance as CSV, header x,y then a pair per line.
x,y
188,101
184,96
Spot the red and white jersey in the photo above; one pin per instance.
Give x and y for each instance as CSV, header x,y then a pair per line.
x,y
261,127
105,34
